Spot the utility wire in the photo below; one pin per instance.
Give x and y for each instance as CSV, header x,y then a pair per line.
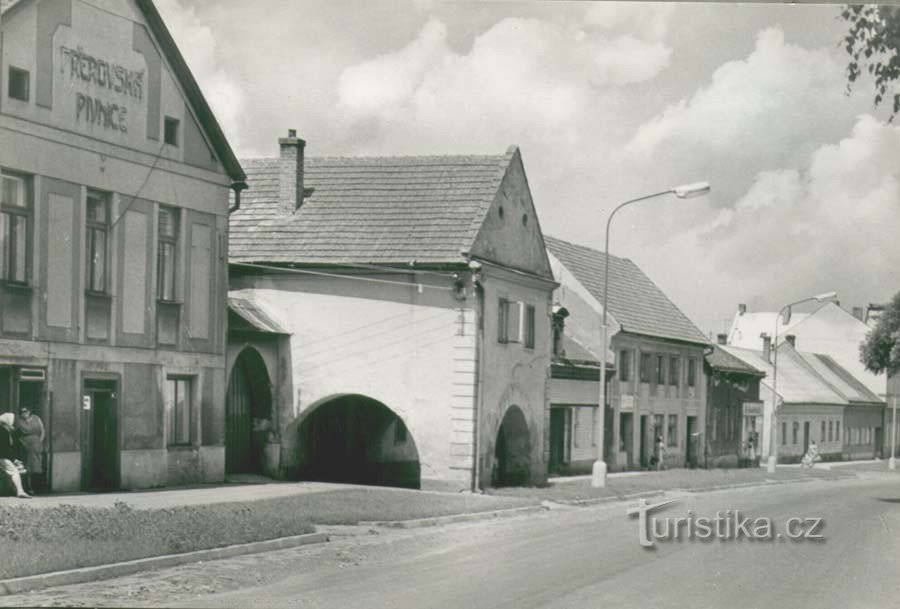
x,y
406,284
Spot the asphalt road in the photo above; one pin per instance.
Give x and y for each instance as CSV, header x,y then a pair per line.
x,y
580,557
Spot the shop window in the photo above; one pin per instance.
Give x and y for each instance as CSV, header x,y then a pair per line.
x,y
170,131
660,369
179,410
659,424
624,365
15,218
97,243
167,246
796,431
646,363
673,430
673,371
19,83
692,372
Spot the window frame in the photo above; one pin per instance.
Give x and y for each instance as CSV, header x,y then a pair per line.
x,y
646,362
692,372
503,321
92,229
624,364
174,439
672,430
167,241
21,72
674,369
660,369
175,131
530,316
12,249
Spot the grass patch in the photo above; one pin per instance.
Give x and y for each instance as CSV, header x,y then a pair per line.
x,y
689,479
40,540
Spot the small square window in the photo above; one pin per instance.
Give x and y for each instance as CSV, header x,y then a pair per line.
x,y
171,131
18,83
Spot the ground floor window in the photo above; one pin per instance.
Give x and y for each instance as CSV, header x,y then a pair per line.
x,y
178,410
659,423
796,431
673,430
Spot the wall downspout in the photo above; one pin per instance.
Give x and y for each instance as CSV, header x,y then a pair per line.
x,y
479,363
237,187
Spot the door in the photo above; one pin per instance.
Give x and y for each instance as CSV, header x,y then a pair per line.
x,y
879,441
100,447
645,444
238,424
557,439
805,436
626,437
690,450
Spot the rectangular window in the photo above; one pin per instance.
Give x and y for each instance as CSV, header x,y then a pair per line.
x,y
646,362
624,365
822,437
795,432
529,327
178,410
837,431
659,424
165,256
660,369
19,84
96,245
692,372
673,430
830,431
15,216
673,371
170,131
784,434
503,321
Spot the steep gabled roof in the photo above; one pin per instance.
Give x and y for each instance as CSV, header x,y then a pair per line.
x,y
634,300
368,210
722,360
170,51
840,379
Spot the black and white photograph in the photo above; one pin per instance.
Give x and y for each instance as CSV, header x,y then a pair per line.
x,y
476,304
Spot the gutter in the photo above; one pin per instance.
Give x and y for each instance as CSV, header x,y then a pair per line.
x,y
478,290
237,187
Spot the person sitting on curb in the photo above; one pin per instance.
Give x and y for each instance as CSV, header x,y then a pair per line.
x,y
7,454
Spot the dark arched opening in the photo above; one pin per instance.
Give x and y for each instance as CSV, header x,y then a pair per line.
x,y
248,414
512,452
355,439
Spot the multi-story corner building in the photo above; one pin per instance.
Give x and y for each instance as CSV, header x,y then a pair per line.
x,y
113,235
391,321
659,388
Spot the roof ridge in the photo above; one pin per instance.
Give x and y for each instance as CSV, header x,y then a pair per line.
x,y
346,157
585,247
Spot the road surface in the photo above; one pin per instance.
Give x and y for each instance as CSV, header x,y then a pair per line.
x,y
566,558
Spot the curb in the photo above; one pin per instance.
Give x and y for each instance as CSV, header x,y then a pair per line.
x,y
610,499
440,520
89,574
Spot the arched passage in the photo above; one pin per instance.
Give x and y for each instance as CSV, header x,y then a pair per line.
x,y
248,414
512,451
356,439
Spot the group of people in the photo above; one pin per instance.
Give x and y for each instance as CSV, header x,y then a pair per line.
x,y
22,450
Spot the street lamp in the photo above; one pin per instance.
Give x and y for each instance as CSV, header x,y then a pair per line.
x,y
892,462
687,191
773,431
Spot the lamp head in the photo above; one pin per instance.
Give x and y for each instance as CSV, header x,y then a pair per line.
x,y
825,296
689,191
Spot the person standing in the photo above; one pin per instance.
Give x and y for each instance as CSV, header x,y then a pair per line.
x,y
7,453
30,430
660,454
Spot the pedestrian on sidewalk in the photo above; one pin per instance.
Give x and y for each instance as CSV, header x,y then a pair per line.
x,y
812,455
660,454
7,453
30,430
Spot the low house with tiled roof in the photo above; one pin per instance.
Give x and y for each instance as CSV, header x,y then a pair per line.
x,y
402,308
734,412
658,389
817,400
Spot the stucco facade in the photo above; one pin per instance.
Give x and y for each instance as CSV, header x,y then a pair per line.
x,y
104,158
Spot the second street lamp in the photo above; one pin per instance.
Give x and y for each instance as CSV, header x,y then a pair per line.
x,y
773,428
687,191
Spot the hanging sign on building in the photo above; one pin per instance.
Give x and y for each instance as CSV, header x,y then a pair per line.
x,y
753,409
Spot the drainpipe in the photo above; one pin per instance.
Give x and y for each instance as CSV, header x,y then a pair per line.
x,y
478,290
237,187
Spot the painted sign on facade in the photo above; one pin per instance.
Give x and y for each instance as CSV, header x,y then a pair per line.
x,y
103,78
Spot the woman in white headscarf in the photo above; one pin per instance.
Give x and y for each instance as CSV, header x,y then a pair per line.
x,y
7,453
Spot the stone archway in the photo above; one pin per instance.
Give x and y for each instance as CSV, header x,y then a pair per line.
x,y
357,439
512,451
248,414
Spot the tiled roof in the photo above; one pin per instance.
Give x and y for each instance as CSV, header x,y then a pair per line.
x,y
388,210
720,359
635,302
7,4
840,379
246,313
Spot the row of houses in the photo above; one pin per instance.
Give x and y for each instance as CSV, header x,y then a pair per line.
x,y
176,315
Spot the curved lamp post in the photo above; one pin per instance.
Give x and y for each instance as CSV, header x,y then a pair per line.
x,y
773,431
688,191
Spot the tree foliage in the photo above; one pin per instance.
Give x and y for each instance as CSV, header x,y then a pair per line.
x,y
880,352
873,43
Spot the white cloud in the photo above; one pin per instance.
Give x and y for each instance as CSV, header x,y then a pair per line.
x,y
198,44
647,20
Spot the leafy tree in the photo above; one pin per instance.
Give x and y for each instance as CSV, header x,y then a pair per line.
x,y
873,43
880,352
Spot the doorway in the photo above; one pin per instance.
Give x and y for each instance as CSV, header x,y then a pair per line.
x,y
100,435
879,441
557,439
690,450
626,437
805,437
646,443
249,420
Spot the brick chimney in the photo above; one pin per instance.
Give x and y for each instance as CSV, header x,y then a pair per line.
x,y
290,173
859,313
792,340
722,339
742,308
767,345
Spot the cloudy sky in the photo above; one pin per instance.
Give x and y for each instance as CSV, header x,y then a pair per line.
x,y
607,101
